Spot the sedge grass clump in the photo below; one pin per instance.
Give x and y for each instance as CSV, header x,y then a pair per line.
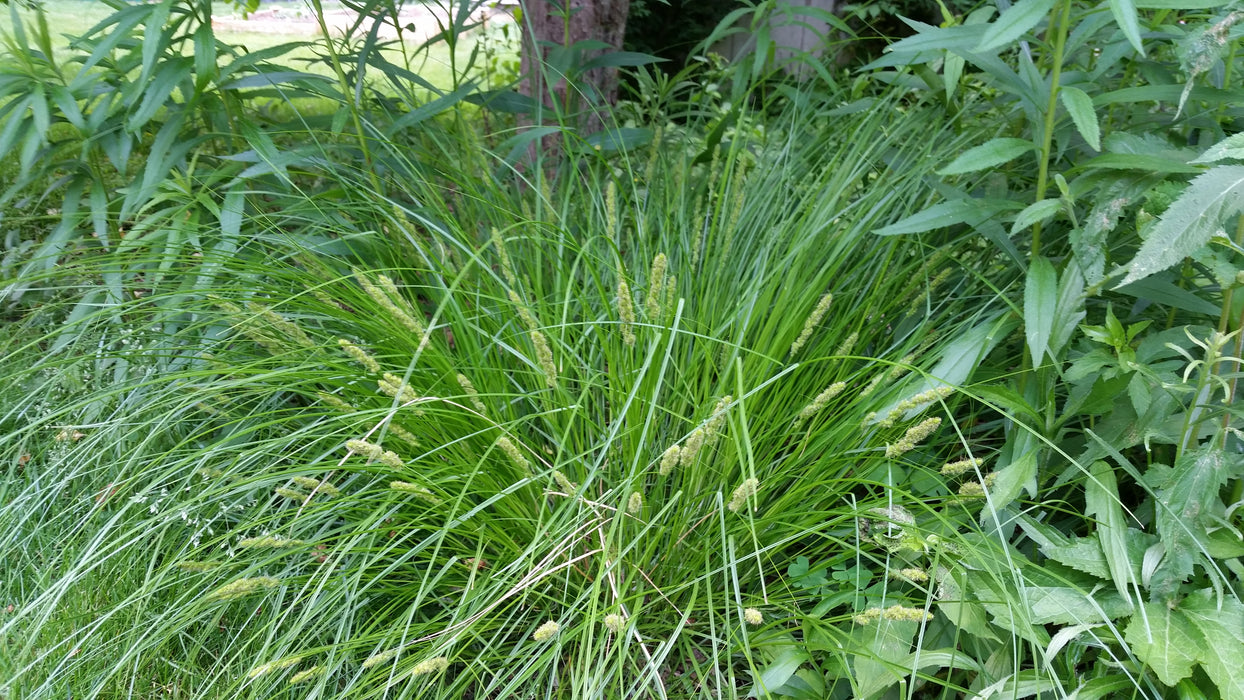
x,y
703,410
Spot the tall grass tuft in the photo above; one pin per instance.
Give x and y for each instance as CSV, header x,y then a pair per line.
x,y
431,459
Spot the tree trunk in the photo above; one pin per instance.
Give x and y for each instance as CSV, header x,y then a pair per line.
x,y
545,24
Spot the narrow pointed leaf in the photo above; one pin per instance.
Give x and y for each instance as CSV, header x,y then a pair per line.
x,y
1040,301
1125,14
1037,211
1101,501
1013,23
1080,106
987,155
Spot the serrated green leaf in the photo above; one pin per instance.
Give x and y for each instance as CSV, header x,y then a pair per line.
x,y
1013,23
1062,605
1165,640
1082,554
1191,221
990,154
1040,300
1182,504
1137,161
1221,623
1231,147
887,643
1035,212
1080,106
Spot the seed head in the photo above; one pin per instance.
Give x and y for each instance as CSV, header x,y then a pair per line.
x,y
546,631
905,614
669,460
512,451
635,503
436,664
564,482
960,467
656,287
359,355
741,495
819,402
307,675
626,311
269,542
753,617
813,320
471,393
415,490
273,666
914,436
383,657
243,587
614,623
317,486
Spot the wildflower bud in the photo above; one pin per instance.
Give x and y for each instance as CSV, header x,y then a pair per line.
x,y
813,320
745,491
753,617
546,631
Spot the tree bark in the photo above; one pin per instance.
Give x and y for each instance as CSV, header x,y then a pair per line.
x,y
547,24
